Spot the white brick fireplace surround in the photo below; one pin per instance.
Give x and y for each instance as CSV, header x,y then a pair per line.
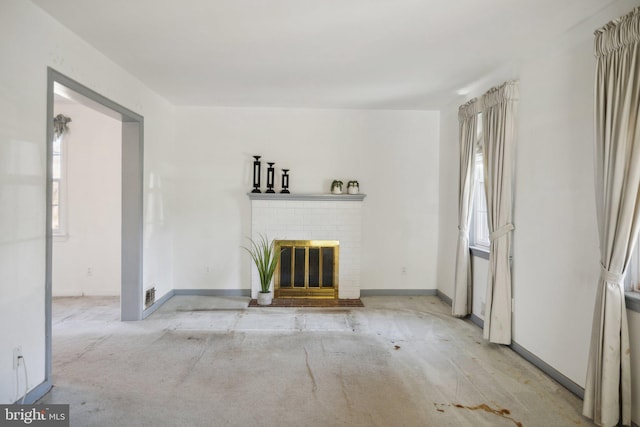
x,y
313,217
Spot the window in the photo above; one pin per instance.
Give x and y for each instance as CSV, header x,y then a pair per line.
x,y
479,235
55,185
58,217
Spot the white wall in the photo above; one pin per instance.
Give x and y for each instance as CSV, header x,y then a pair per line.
x,y
86,261
29,42
480,267
393,155
448,198
556,261
555,242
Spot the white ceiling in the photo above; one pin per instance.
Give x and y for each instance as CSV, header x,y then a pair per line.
x,y
393,54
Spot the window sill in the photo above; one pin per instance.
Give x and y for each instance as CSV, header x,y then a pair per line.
x,y
632,301
480,252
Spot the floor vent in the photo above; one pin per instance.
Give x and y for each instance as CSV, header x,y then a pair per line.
x,y
149,297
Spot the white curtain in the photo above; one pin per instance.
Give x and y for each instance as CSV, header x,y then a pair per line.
x,y
499,111
607,397
468,118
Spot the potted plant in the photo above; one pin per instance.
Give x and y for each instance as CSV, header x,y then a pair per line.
x,y
266,259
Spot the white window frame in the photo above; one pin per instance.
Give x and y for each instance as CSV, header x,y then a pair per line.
x,y
479,230
61,230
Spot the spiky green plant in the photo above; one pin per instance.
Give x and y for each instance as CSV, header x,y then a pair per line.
x,y
266,259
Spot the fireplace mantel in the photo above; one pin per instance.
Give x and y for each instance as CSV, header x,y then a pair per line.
x,y
308,197
335,217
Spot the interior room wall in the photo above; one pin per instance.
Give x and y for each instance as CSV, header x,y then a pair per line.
x,y
86,260
449,157
556,261
393,155
480,271
30,41
556,257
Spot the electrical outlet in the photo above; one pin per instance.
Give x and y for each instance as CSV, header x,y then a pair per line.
x,y
483,307
404,270
17,354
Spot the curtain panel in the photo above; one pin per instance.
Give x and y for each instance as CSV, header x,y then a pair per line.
x,y
607,397
468,119
499,112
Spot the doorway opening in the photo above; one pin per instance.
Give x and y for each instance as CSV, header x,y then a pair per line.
x,y
131,212
86,199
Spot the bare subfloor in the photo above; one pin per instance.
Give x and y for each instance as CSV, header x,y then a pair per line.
x,y
211,361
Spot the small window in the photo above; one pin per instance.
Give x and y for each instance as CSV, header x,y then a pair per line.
x,y
58,214
55,185
479,234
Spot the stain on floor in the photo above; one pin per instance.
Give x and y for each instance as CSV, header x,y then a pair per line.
x,y
503,413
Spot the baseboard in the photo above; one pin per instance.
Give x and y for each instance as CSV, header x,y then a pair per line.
x,y
36,393
476,320
214,292
156,305
444,297
197,292
528,356
538,363
548,369
396,292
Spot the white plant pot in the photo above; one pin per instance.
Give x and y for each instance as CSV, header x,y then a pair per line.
x,y
265,298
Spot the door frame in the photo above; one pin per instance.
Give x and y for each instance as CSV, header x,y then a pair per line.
x,y
131,298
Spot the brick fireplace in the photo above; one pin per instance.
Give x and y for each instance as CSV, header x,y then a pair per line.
x,y
313,217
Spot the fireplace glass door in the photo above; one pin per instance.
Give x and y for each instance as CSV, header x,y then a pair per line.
x,y
307,269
